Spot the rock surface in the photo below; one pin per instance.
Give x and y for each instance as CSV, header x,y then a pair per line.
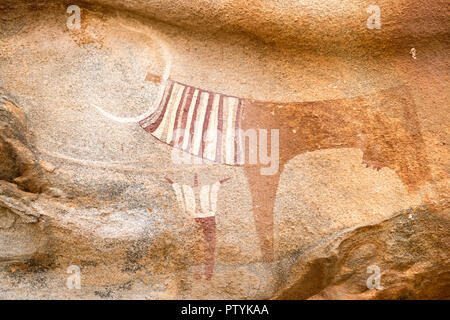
x,y
362,186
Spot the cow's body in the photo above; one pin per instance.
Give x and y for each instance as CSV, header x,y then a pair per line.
x,y
383,125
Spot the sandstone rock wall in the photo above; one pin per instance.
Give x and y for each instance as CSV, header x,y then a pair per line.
x,y
362,180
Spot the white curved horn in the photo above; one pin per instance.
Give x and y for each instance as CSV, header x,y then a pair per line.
x,y
168,60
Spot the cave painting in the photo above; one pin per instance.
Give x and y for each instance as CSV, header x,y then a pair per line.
x,y
200,203
193,120
213,126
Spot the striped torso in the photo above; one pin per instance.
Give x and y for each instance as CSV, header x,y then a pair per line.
x,y
202,123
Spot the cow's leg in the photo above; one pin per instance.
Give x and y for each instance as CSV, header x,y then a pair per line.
x,y
209,230
263,191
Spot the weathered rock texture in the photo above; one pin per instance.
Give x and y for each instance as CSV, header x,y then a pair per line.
x,y
363,169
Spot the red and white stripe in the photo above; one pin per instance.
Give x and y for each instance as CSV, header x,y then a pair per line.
x,y
197,201
202,123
